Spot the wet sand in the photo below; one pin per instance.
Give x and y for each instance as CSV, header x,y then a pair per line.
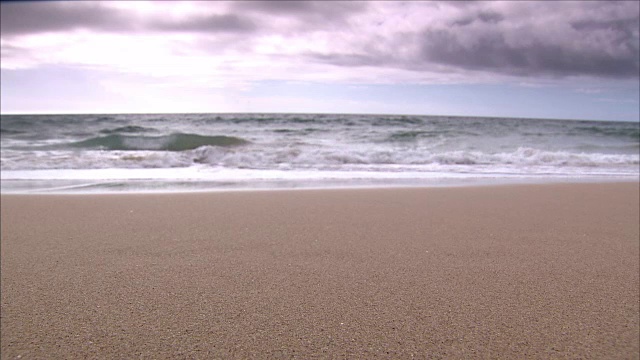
x,y
523,271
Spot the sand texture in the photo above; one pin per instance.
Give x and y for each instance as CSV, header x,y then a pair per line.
x,y
530,271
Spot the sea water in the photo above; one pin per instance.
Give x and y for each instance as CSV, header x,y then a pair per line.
x,y
182,152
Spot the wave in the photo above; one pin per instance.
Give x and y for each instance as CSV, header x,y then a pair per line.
x,y
397,120
304,157
402,136
414,135
304,131
532,157
127,130
10,131
104,118
628,131
173,142
297,157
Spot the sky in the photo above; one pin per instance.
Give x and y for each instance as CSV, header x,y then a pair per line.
x,y
538,59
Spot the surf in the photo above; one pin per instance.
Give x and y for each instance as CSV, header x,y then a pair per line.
x,y
172,142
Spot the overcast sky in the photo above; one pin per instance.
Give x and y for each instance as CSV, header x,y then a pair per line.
x,y
545,59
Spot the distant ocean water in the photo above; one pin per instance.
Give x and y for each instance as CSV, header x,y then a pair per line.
x,y
166,152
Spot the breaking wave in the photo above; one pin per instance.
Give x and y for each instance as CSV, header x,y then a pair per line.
x,y
142,152
315,158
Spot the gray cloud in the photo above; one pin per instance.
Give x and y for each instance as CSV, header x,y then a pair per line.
x,y
556,39
335,9
205,23
311,13
598,39
622,30
351,60
36,17
489,17
39,17
278,7
493,53
593,39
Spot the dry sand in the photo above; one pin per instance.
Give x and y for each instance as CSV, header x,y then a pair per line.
x,y
536,271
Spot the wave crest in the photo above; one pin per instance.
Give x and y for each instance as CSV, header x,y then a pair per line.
x,y
126,129
173,142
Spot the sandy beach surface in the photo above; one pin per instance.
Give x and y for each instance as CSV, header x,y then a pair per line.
x,y
520,271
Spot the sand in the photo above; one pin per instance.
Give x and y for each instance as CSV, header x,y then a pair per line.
x,y
526,271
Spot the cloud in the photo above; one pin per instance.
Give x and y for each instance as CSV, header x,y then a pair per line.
x,y
482,16
492,52
41,17
350,60
337,41
514,39
581,42
205,24
310,12
313,8
47,17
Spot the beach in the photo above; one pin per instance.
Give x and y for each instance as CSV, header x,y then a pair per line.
x,y
505,271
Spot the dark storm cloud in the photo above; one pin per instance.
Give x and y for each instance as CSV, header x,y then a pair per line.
x,y
19,18
596,47
493,53
593,39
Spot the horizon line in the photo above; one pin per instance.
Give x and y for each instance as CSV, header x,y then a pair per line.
x,y
307,113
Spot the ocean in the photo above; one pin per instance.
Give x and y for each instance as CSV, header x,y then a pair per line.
x,y
194,152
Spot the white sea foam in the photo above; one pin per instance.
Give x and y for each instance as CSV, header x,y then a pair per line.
x,y
246,148
305,158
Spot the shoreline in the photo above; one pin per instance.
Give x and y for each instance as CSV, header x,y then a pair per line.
x,y
260,186
511,271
